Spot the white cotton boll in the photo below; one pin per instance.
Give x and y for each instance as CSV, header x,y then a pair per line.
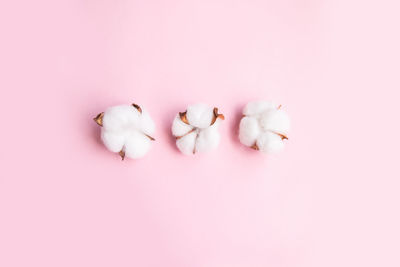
x,y
264,127
208,139
270,143
196,129
199,115
180,128
275,120
127,130
257,107
249,130
137,145
186,144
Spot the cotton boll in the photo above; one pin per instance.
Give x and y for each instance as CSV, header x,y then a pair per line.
x,y
249,130
257,107
127,130
180,128
270,143
276,121
186,144
196,129
264,127
199,115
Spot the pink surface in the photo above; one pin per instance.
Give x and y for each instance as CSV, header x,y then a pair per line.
x,y
330,199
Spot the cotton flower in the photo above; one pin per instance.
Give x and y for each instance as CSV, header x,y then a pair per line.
x,y
264,127
196,129
126,130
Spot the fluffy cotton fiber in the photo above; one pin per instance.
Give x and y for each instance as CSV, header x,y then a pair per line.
x,y
264,127
127,130
196,129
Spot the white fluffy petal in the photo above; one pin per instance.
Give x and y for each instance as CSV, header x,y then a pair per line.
x,y
186,143
249,130
112,140
270,143
179,128
276,121
200,115
257,107
119,118
208,139
137,145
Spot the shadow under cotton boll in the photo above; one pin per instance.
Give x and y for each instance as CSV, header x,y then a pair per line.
x,y
235,122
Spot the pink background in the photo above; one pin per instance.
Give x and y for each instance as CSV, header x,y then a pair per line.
x,y
330,199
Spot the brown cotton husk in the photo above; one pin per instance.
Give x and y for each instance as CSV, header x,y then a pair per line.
x,y
182,116
255,147
122,154
99,119
281,135
151,138
217,116
137,107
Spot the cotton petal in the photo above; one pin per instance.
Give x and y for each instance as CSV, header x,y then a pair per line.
x,y
249,130
257,107
275,120
113,141
208,139
186,144
119,118
270,143
200,115
137,145
179,128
